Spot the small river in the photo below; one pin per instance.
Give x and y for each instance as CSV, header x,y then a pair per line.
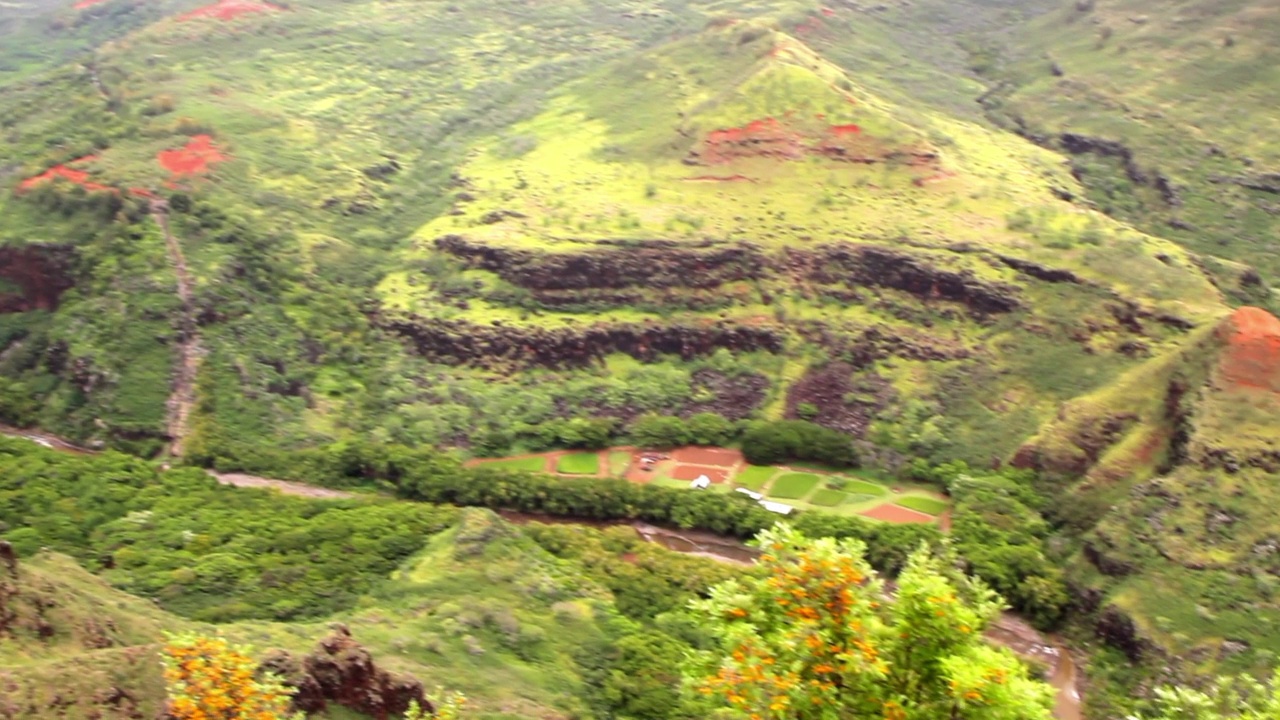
x,y
1008,630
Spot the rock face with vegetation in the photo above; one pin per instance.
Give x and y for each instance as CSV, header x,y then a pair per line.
x,y
1036,239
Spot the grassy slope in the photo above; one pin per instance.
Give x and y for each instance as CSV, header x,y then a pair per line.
x,y
482,610
1189,87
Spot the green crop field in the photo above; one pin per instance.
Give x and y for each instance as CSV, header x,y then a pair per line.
x,y
619,462
579,464
828,498
533,464
753,477
793,486
861,487
927,505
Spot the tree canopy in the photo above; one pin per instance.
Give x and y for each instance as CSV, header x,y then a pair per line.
x,y
815,635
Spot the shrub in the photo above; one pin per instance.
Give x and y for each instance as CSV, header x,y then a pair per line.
x,y
710,429
657,431
771,443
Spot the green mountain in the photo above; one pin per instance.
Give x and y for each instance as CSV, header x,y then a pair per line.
x,y
1034,234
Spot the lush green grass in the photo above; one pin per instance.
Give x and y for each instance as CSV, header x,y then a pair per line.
x,y
532,464
793,486
861,487
753,477
931,506
828,498
579,464
619,462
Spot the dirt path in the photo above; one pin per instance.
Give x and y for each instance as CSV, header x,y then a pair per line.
x,y
284,486
182,397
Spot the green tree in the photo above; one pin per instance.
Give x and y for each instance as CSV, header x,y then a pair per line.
x,y
814,636
708,428
657,431
1228,698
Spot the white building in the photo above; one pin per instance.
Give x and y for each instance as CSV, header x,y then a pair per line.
x,y
776,507
701,483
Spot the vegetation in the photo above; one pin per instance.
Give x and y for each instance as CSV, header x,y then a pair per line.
x,y
777,442
579,464
202,549
794,485
813,636
208,679
321,241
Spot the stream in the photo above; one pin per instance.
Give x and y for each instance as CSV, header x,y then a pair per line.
x,y
1008,630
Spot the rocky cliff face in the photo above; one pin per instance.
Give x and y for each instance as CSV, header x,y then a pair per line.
x,y
652,264
342,672
460,342
40,272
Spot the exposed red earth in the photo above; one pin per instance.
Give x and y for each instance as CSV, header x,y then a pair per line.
x,y
194,158
64,171
723,457
1252,355
783,140
896,514
79,177
693,472
82,4
228,10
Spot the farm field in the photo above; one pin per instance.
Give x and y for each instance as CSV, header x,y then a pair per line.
x,y
804,486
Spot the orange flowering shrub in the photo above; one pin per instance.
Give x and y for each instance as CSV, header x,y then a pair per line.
x,y
813,635
209,679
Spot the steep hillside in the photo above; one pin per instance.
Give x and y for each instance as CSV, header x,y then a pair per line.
x,y
483,609
1177,465
1166,110
342,222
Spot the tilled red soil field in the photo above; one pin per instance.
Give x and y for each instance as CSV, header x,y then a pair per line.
x,y
707,456
896,514
692,472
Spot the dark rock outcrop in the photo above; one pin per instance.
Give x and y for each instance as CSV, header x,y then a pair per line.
x,y
341,671
639,265
873,266
1116,629
41,273
1078,144
461,342
1041,272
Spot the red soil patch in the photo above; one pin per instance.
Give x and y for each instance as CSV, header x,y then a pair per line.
x,y
693,472
86,3
721,457
194,158
828,12
1252,356
759,138
896,514
720,178
79,177
849,129
228,10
